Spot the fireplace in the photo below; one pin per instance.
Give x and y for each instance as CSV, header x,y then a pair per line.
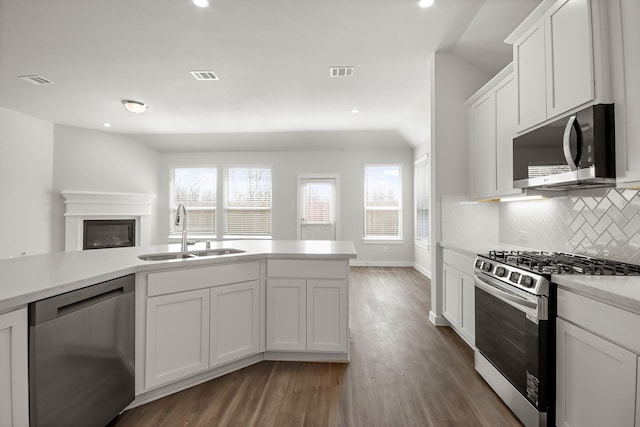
x,y
106,220
109,233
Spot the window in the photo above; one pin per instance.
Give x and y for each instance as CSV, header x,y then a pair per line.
x,y
422,180
382,202
247,204
196,189
318,202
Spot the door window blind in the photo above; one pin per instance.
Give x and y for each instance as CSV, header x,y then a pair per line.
x,y
422,180
196,189
247,201
318,203
383,201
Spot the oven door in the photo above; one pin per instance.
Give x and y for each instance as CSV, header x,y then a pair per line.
x,y
512,332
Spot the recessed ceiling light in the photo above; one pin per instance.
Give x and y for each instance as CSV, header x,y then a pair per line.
x,y
201,3
425,3
107,125
355,111
135,107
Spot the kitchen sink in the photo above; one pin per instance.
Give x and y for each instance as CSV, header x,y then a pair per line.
x,y
189,255
166,256
216,252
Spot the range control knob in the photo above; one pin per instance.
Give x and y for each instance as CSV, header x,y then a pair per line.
x,y
478,263
528,281
486,266
500,271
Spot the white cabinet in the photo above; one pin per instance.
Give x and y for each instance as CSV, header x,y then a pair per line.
x,y
625,33
235,322
596,363
491,129
596,380
177,336
286,314
200,318
307,306
459,294
14,386
559,59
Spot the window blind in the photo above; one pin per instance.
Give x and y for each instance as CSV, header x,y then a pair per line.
x,y
196,189
247,201
383,201
422,180
318,203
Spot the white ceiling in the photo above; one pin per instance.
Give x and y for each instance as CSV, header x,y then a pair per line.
x,y
272,58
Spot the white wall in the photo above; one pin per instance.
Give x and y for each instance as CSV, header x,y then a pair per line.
x,y
286,167
26,158
88,160
422,253
453,81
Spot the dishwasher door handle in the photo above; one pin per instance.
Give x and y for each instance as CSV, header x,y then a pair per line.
x,y
79,305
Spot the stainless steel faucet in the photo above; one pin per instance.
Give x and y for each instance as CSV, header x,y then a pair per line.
x,y
181,217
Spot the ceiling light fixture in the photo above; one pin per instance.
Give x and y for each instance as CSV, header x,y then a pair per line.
x,y
135,107
425,3
355,111
201,3
107,125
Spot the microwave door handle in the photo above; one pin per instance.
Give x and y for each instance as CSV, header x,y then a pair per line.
x,y
566,143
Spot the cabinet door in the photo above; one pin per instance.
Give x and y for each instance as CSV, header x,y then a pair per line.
x,y
506,118
451,295
468,310
327,313
569,56
529,68
286,314
596,380
177,336
483,122
235,322
14,387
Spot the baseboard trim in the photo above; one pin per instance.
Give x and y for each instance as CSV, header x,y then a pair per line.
x,y
438,320
422,271
359,263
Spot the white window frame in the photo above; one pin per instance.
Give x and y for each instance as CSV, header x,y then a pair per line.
x,y
225,207
422,202
398,239
173,234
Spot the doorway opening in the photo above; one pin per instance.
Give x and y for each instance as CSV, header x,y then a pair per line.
x,y
318,210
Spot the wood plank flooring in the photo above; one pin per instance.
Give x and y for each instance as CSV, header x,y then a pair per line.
x,y
403,372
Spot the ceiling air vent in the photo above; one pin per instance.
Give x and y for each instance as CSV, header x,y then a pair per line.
x,y
341,71
37,80
204,75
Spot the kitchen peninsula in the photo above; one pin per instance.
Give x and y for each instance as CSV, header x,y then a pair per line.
x,y
276,300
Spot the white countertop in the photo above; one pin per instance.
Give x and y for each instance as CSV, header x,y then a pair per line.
x,y
621,291
31,278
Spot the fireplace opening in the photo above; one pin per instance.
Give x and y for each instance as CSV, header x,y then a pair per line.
x,y
109,233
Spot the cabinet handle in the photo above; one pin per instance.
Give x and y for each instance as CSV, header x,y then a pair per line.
x,y
566,143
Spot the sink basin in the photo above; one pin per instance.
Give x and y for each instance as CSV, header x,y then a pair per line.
x,y
189,255
216,252
165,256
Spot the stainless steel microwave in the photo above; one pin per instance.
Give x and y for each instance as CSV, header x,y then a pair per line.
x,y
573,152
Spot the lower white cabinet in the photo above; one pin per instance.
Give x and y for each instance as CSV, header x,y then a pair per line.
x,y
177,336
459,294
14,371
596,380
307,315
235,322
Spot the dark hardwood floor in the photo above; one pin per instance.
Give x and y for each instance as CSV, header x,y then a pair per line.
x,y
403,372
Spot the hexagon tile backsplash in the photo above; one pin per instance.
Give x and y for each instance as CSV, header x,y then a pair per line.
x,y
600,222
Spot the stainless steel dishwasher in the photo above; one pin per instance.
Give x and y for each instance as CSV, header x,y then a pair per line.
x,y
81,355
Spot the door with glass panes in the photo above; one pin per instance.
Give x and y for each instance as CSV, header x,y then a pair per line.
x,y
317,202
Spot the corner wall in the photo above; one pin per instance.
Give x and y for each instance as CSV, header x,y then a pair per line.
x,y
26,158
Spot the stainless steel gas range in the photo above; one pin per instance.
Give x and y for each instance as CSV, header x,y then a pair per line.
x,y
515,303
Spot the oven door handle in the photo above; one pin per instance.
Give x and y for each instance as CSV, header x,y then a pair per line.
x,y
510,298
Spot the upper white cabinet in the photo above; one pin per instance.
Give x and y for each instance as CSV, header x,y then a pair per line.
x,y
491,128
560,59
625,64
14,386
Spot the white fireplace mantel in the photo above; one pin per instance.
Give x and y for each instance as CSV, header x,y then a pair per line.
x,y
82,205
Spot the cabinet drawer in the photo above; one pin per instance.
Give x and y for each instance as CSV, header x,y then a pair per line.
x,y
458,261
308,269
198,278
613,323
